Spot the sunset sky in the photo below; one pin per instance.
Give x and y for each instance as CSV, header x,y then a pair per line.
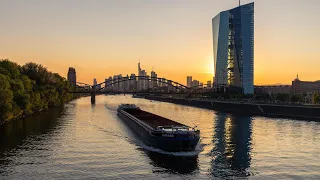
x,y
101,38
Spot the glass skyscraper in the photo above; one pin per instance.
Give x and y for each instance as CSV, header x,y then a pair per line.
x,y
233,41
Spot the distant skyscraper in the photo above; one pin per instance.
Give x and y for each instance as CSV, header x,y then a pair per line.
x,y
133,83
189,81
170,85
126,84
141,81
209,84
108,84
233,40
154,81
163,82
121,83
72,76
195,84
95,83
117,84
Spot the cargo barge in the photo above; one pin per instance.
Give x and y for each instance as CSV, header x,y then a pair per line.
x,y
157,131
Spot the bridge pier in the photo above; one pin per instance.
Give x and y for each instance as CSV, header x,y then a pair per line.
x,y
93,98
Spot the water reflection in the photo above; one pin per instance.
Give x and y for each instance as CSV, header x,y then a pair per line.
x,y
12,134
232,145
173,164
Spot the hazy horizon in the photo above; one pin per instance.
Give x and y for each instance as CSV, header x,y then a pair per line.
x,y
103,38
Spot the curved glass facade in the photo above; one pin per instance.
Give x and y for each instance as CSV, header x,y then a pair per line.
x,y
233,46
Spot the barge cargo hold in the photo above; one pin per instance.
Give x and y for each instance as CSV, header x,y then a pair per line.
x,y
157,131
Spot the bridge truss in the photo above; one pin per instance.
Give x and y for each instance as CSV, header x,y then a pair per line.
x,y
105,87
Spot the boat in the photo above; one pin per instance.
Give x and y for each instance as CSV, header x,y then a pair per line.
x,y
157,131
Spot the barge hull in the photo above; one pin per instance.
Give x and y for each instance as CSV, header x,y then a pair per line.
x,y
164,143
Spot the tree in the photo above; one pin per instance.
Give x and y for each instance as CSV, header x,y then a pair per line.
x,y
282,97
28,89
296,98
6,99
316,98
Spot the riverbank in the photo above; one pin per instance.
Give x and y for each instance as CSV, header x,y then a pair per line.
x,y
39,112
30,88
268,110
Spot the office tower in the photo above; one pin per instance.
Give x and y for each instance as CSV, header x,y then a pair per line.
x,y
72,76
233,41
195,84
209,84
147,82
189,81
132,83
141,80
121,83
201,85
126,83
154,81
170,86
164,82
117,83
108,84
95,84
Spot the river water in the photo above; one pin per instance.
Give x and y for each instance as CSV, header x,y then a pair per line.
x,y
84,141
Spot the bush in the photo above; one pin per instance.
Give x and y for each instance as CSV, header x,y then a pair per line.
x,y
28,89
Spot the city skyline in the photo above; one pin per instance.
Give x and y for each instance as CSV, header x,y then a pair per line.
x,y
95,39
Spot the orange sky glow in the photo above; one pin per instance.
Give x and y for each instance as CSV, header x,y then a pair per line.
x,y
104,38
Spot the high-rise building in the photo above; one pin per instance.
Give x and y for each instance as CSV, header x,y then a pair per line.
x,y
170,85
117,84
142,82
72,76
164,82
95,84
233,40
108,84
209,84
147,82
132,83
189,81
126,83
195,84
200,85
121,83
154,81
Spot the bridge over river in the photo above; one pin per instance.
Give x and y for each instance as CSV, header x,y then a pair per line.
x,y
102,88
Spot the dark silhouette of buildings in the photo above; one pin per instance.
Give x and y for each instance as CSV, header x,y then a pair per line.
x,y
72,76
305,87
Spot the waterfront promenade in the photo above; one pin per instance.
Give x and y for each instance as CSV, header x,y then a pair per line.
x,y
295,111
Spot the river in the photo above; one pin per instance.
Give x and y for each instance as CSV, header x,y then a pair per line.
x,y
84,141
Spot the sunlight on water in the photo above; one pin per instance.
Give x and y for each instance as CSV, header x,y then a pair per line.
x,y
83,141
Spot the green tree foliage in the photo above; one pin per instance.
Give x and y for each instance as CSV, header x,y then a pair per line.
x,y
28,89
316,98
296,98
283,97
